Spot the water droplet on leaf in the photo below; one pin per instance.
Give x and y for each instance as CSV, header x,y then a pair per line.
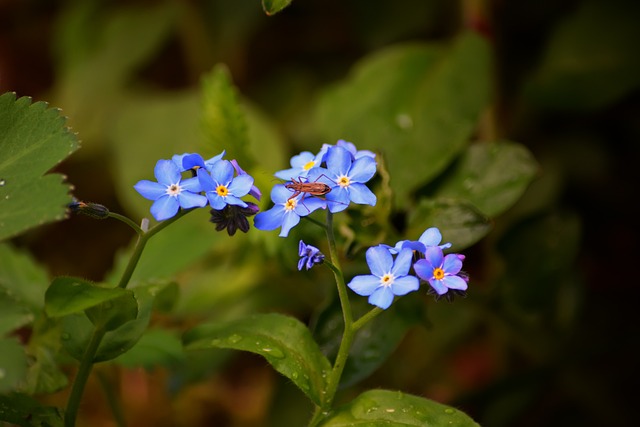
x,y
235,338
449,411
2,182
274,352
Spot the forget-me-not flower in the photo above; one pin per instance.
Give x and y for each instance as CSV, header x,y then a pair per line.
x,y
442,272
431,237
221,188
171,192
301,164
309,256
388,277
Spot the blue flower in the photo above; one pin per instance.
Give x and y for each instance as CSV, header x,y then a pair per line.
x,y
431,237
287,210
221,188
351,148
300,165
388,277
188,161
309,256
346,177
254,191
170,192
442,272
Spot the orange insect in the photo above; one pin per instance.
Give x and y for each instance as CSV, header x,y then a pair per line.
x,y
315,188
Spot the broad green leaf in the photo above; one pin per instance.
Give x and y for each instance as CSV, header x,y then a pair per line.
x,y
77,328
272,7
156,347
13,364
591,60
25,411
33,139
22,278
460,222
68,295
44,375
417,104
377,408
13,314
224,121
111,314
492,176
284,341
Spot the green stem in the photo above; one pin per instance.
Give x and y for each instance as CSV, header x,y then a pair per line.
x,y
127,221
366,318
81,378
86,364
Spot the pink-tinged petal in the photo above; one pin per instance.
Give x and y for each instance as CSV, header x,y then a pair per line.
x,y
438,286
382,297
364,285
455,282
363,169
434,255
166,172
452,264
402,263
338,160
404,285
150,190
379,260
165,208
190,200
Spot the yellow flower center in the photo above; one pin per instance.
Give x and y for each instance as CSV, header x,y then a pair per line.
x,y
222,190
344,181
173,190
290,204
438,273
309,165
386,280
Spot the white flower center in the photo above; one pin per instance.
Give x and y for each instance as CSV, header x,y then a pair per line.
x,y
173,190
344,181
387,280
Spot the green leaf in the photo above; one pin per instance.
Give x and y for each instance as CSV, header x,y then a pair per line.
x,y
272,7
68,295
492,176
22,278
460,222
77,328
377,408
33,139
13,364
284,341
44,347
13,313
155,348
24,411
417,104
111,314
224,120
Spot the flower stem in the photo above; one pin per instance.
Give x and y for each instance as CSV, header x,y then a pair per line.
x,y
127,221
366,318
86,364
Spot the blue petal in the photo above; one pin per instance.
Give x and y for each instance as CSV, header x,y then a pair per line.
x,y
269,220
431,237
166,172
364,285
289,174
165,208
433,254
383,297
360,194
216,202
241,185
208,164
192,160
150,190
452,264
363,169
188,200
322,175
233,200
290,221
206,182
338,199
423,269
191,184
302,248
280,194
222,172
308,204
338,160
438,286
404,285
379,260
455,282
298,161
301,263
402,263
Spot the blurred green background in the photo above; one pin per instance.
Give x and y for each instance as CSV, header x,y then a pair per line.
x,y
546,335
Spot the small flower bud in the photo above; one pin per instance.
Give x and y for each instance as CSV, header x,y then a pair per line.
x,y
94,210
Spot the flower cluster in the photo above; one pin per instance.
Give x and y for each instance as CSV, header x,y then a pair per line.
x,y
390,277
332,178
217,182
